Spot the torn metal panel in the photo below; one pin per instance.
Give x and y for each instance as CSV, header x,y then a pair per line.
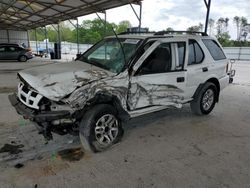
x,y
143,94
55,81
113,86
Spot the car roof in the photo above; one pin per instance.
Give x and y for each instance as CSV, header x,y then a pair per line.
x,y
9,44
150,35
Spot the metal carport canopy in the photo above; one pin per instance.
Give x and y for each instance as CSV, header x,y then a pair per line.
x,y
30,14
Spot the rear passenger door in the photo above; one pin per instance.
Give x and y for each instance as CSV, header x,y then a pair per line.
x,y
198,67
159,78
12,53
201,66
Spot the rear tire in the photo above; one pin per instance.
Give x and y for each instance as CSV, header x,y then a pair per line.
x,y
100,128
205,101
22,58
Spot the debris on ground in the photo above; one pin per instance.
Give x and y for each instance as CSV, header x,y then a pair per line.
x,y
11,149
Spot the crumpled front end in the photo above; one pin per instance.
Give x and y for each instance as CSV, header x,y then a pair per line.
x,y
48,116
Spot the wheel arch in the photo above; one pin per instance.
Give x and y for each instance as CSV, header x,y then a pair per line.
x,y
213,80
19,57
106,98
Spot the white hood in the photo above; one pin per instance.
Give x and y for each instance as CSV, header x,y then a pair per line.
x,y
58,80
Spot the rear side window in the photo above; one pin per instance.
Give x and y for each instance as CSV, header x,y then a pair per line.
x,y
214,49
196,54
181,53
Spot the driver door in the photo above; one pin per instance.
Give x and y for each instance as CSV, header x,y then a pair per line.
x,y
159,77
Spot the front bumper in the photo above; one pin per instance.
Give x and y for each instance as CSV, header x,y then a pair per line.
x,y
35,115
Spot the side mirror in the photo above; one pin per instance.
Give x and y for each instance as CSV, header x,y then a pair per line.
x,y
232,61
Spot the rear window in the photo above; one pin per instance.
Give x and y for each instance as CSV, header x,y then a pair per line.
x,y
214,49
195,55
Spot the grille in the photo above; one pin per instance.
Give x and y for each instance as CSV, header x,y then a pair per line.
x,y
28,96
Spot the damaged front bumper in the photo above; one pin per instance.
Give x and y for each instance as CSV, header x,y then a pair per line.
x,y
44,119
33,115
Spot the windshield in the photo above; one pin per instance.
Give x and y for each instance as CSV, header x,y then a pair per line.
x,y
108,53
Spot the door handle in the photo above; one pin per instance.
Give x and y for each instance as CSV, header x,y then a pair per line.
x,y
180,79
204,69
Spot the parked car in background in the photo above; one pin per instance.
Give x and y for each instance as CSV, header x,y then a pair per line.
x,y
14,52
10,44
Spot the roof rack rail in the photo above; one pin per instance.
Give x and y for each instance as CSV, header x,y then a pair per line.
x,y
137,32
180,32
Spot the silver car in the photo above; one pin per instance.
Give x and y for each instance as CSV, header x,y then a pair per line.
x,y
14,52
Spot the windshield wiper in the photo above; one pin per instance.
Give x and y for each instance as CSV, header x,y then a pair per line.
x,y
85,59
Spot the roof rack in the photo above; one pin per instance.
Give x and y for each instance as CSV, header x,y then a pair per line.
x,y
137,32
180,32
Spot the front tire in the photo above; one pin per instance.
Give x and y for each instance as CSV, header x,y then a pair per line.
x,y
100,128
205,101
22,58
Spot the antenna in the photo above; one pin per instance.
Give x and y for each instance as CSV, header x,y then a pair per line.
x,y
116,36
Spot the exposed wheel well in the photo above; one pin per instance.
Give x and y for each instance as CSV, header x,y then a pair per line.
x,y
211,80
217,84
111,100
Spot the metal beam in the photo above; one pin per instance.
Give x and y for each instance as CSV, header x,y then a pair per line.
x,y
36,42
28,38
46,40
8,36
208,5
77,36
139,17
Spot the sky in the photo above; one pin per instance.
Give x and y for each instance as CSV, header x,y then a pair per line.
x,y
179,14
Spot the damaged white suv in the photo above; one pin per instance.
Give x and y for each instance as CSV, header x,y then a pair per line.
x,y
120,78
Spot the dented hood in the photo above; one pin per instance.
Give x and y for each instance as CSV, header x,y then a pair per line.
x,y
57,80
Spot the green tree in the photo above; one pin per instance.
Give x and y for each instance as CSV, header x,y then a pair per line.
x,y
211,25
123,26
169,29
196,28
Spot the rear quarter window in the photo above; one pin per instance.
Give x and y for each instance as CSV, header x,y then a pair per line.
x,y
214,49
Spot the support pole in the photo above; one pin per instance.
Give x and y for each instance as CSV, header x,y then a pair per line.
x,y
140,14
59,41
140,17
105,32
59,33
77,36
36,42
105,18
208,5
8,36
46,40
28,38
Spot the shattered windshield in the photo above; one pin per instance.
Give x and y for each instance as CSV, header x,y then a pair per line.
x,y
108,53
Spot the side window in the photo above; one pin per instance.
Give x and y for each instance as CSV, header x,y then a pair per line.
x,y
181,53
159,61
214,49
196,54
2,49
12,49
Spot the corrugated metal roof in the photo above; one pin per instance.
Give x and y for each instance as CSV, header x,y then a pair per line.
x,y
29,14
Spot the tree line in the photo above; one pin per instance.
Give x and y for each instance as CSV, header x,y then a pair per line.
x,y
92,31
219,29
89,32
